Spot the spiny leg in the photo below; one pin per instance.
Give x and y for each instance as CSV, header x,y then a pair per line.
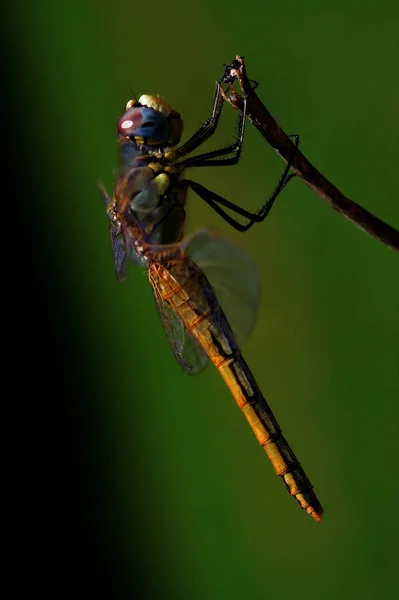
x,y
209,159
206,130
216,201
284,179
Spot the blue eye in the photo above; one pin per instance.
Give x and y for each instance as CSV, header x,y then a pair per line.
x,y
145,123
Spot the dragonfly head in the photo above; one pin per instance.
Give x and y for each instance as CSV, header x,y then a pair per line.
x,y
150,121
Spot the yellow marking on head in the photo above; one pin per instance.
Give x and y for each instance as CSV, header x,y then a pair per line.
x,y
130,104
156,103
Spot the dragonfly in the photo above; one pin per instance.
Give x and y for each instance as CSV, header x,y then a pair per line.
x,y
205,288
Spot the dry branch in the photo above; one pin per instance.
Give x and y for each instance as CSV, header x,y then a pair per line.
x,y
258,114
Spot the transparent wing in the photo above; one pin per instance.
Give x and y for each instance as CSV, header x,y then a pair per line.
x,y
188,352
117,243
233,276
119,252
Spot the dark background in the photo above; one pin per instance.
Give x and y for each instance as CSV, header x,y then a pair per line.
x,y
155,482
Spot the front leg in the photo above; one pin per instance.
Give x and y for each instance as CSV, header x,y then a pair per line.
x,y
206,130
210,159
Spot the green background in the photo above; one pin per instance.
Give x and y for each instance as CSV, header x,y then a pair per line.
x,y
180,500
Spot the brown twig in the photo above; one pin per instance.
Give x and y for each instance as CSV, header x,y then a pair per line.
x,y
279,140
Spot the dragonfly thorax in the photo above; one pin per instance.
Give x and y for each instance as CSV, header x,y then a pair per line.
x,y
150,122
150,201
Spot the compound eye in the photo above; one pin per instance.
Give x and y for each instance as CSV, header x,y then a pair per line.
x,y
130,122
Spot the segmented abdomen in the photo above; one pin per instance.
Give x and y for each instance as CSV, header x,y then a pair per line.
x,y
192,297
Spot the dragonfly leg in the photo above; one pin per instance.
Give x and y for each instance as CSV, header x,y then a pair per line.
x,y
229,75
209,159
207,129
217,202
284,179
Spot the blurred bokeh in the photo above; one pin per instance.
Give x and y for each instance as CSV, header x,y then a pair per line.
x,y
180,500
